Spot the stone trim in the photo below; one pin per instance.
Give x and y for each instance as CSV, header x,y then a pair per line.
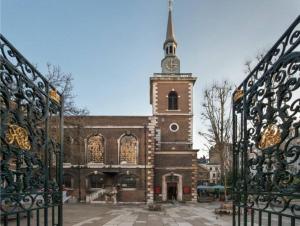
x,y
175,168
175,152
175,142
190,97
154,98
151,148
105,127
190,137
194,178
103,166
178,114
164,186
67,165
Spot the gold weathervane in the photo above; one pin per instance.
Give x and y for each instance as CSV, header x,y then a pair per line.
x,y
54,96
270,136
238,95
19,136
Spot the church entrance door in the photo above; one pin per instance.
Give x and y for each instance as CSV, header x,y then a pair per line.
x,y
172,191
172,187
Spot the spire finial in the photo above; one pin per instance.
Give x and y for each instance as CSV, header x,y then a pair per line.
x,y
170,31
171,5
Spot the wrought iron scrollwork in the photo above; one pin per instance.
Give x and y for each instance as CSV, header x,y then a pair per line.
x,y
31,160
266,139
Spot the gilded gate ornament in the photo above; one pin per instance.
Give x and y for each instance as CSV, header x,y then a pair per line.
x,y
54,96
96,148
270,136
19,136
238,95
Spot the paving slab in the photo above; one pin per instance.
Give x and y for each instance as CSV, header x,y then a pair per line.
x,y
199,214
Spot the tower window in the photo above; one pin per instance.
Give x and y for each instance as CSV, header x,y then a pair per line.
x,y
174,127
173,101
171,49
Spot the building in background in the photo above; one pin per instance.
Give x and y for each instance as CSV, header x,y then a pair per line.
x,y
213,165
137,158
203,175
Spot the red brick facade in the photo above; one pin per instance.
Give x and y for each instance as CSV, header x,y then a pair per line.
x,y
141,159
160,153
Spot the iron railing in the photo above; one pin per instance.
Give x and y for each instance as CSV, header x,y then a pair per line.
x,y
266,137
31,143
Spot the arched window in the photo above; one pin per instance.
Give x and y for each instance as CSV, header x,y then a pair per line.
x,y
128,149
127,181
173,101
96,149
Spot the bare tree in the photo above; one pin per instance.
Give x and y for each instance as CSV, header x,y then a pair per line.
x,y
216,111
251,63
63,83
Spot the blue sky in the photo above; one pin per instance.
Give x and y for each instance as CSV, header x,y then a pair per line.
x,y
112,47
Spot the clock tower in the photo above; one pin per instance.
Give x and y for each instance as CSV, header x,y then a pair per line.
x,y
171,96
170,64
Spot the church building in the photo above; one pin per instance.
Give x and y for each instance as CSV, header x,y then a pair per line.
x,y
137,158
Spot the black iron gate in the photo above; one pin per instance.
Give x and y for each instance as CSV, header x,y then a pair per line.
x,y
266,138
31,143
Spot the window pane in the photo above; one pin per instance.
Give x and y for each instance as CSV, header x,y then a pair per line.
x,y
128,182
96,149
128,149
96,181
173,100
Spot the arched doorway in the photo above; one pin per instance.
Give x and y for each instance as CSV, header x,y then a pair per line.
x,y
172,187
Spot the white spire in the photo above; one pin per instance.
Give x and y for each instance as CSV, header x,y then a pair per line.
x,y
171,5
170,37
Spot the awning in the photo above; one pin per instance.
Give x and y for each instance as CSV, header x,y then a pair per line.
x,y
210,188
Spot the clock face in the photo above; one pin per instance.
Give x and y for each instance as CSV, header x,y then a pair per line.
x,y
171,64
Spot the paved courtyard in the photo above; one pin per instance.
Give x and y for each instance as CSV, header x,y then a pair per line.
x,y
138,215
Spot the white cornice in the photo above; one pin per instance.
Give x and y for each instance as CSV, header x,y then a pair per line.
x,y
174,168
176,142
105,127
103,166
175,152
190,114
